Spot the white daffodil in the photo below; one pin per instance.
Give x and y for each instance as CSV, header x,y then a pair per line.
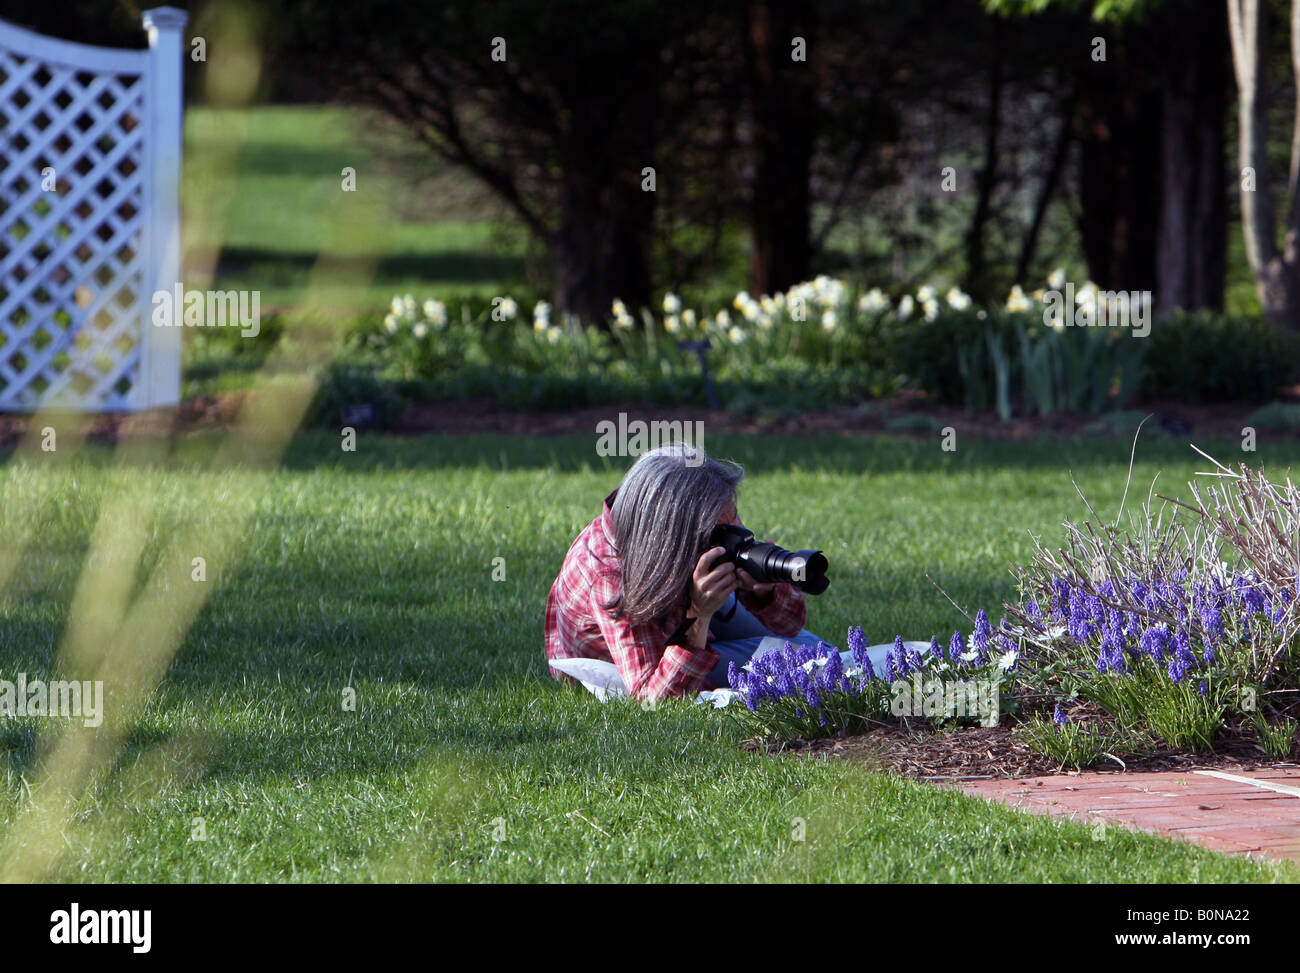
x,y
737,335
905,307
553,334
618,308
396,305
420,330
925,293
672,324
436,312
873,301
390,323
508,308
829,320
625,321
1056,279
1017,303
765,322
723,318
768,305
931,308
672,303
688,318
740,300
957,299
408,306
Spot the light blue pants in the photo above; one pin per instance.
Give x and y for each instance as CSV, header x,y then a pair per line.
x,y
737,639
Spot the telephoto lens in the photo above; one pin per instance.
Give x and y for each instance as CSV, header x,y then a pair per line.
x,y
768,563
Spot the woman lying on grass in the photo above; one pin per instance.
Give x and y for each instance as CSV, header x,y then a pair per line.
x,y
637,589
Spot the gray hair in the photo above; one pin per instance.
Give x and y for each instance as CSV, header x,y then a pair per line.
x,y
667,505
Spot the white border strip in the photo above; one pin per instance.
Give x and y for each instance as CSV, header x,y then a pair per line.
x,y
1266,785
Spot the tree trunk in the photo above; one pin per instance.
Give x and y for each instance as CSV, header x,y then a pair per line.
x,y
1119,166
1046,191
975,282
1191,248
1275,272
783,94
602,247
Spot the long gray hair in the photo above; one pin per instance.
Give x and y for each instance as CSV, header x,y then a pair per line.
x,y
666,507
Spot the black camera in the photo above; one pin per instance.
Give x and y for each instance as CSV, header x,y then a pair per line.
x,y
767,563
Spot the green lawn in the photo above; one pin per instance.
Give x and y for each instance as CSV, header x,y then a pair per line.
x,y
372,570
263,188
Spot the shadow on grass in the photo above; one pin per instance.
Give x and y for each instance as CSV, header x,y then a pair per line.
x,y
465,266
765,453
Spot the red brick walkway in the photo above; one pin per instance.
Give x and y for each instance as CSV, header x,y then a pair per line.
x,y
1250,812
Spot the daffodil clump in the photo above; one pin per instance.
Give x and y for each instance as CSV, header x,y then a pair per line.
x,y
847,341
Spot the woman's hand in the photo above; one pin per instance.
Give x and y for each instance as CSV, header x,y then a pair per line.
x,y
710,587
760,591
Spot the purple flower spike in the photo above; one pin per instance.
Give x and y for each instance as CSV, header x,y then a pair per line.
x,y
956,646
1059,717
981,637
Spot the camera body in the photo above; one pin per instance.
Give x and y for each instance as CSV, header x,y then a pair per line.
x,y
769,564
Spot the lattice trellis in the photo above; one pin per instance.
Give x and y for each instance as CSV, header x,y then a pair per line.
x,y
88,219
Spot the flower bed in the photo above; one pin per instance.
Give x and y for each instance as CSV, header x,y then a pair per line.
x,y
1156,638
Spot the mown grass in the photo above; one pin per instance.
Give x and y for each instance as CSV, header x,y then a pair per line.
x,y
464,761
264,189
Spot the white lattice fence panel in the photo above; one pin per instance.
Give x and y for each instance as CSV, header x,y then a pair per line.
x,y
81,252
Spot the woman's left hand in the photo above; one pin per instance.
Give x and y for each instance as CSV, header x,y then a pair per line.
x,y
763,592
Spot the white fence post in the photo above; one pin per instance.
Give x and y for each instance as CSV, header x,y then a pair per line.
x,y
160,362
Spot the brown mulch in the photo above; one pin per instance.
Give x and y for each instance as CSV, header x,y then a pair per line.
x,y
907,414
984,753
883,416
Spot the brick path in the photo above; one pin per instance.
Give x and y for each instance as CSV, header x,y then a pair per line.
x,y
1242,812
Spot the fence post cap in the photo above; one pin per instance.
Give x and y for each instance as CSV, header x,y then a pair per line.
x,y
165,18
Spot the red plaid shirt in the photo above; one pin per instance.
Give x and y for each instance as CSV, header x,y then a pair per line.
x,y
578,627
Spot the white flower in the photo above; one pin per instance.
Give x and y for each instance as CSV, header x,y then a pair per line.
x,y
873,301
1016,300
553,334
420,330
957,299
688,318
768,305
1008,659
408,306
737,335
436,312
905,307
508,308
723,318
931,308
672,324
625,321
765,322
390,323
672,303
618,308
541,316
925,294
396,305
829,321
1056,279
